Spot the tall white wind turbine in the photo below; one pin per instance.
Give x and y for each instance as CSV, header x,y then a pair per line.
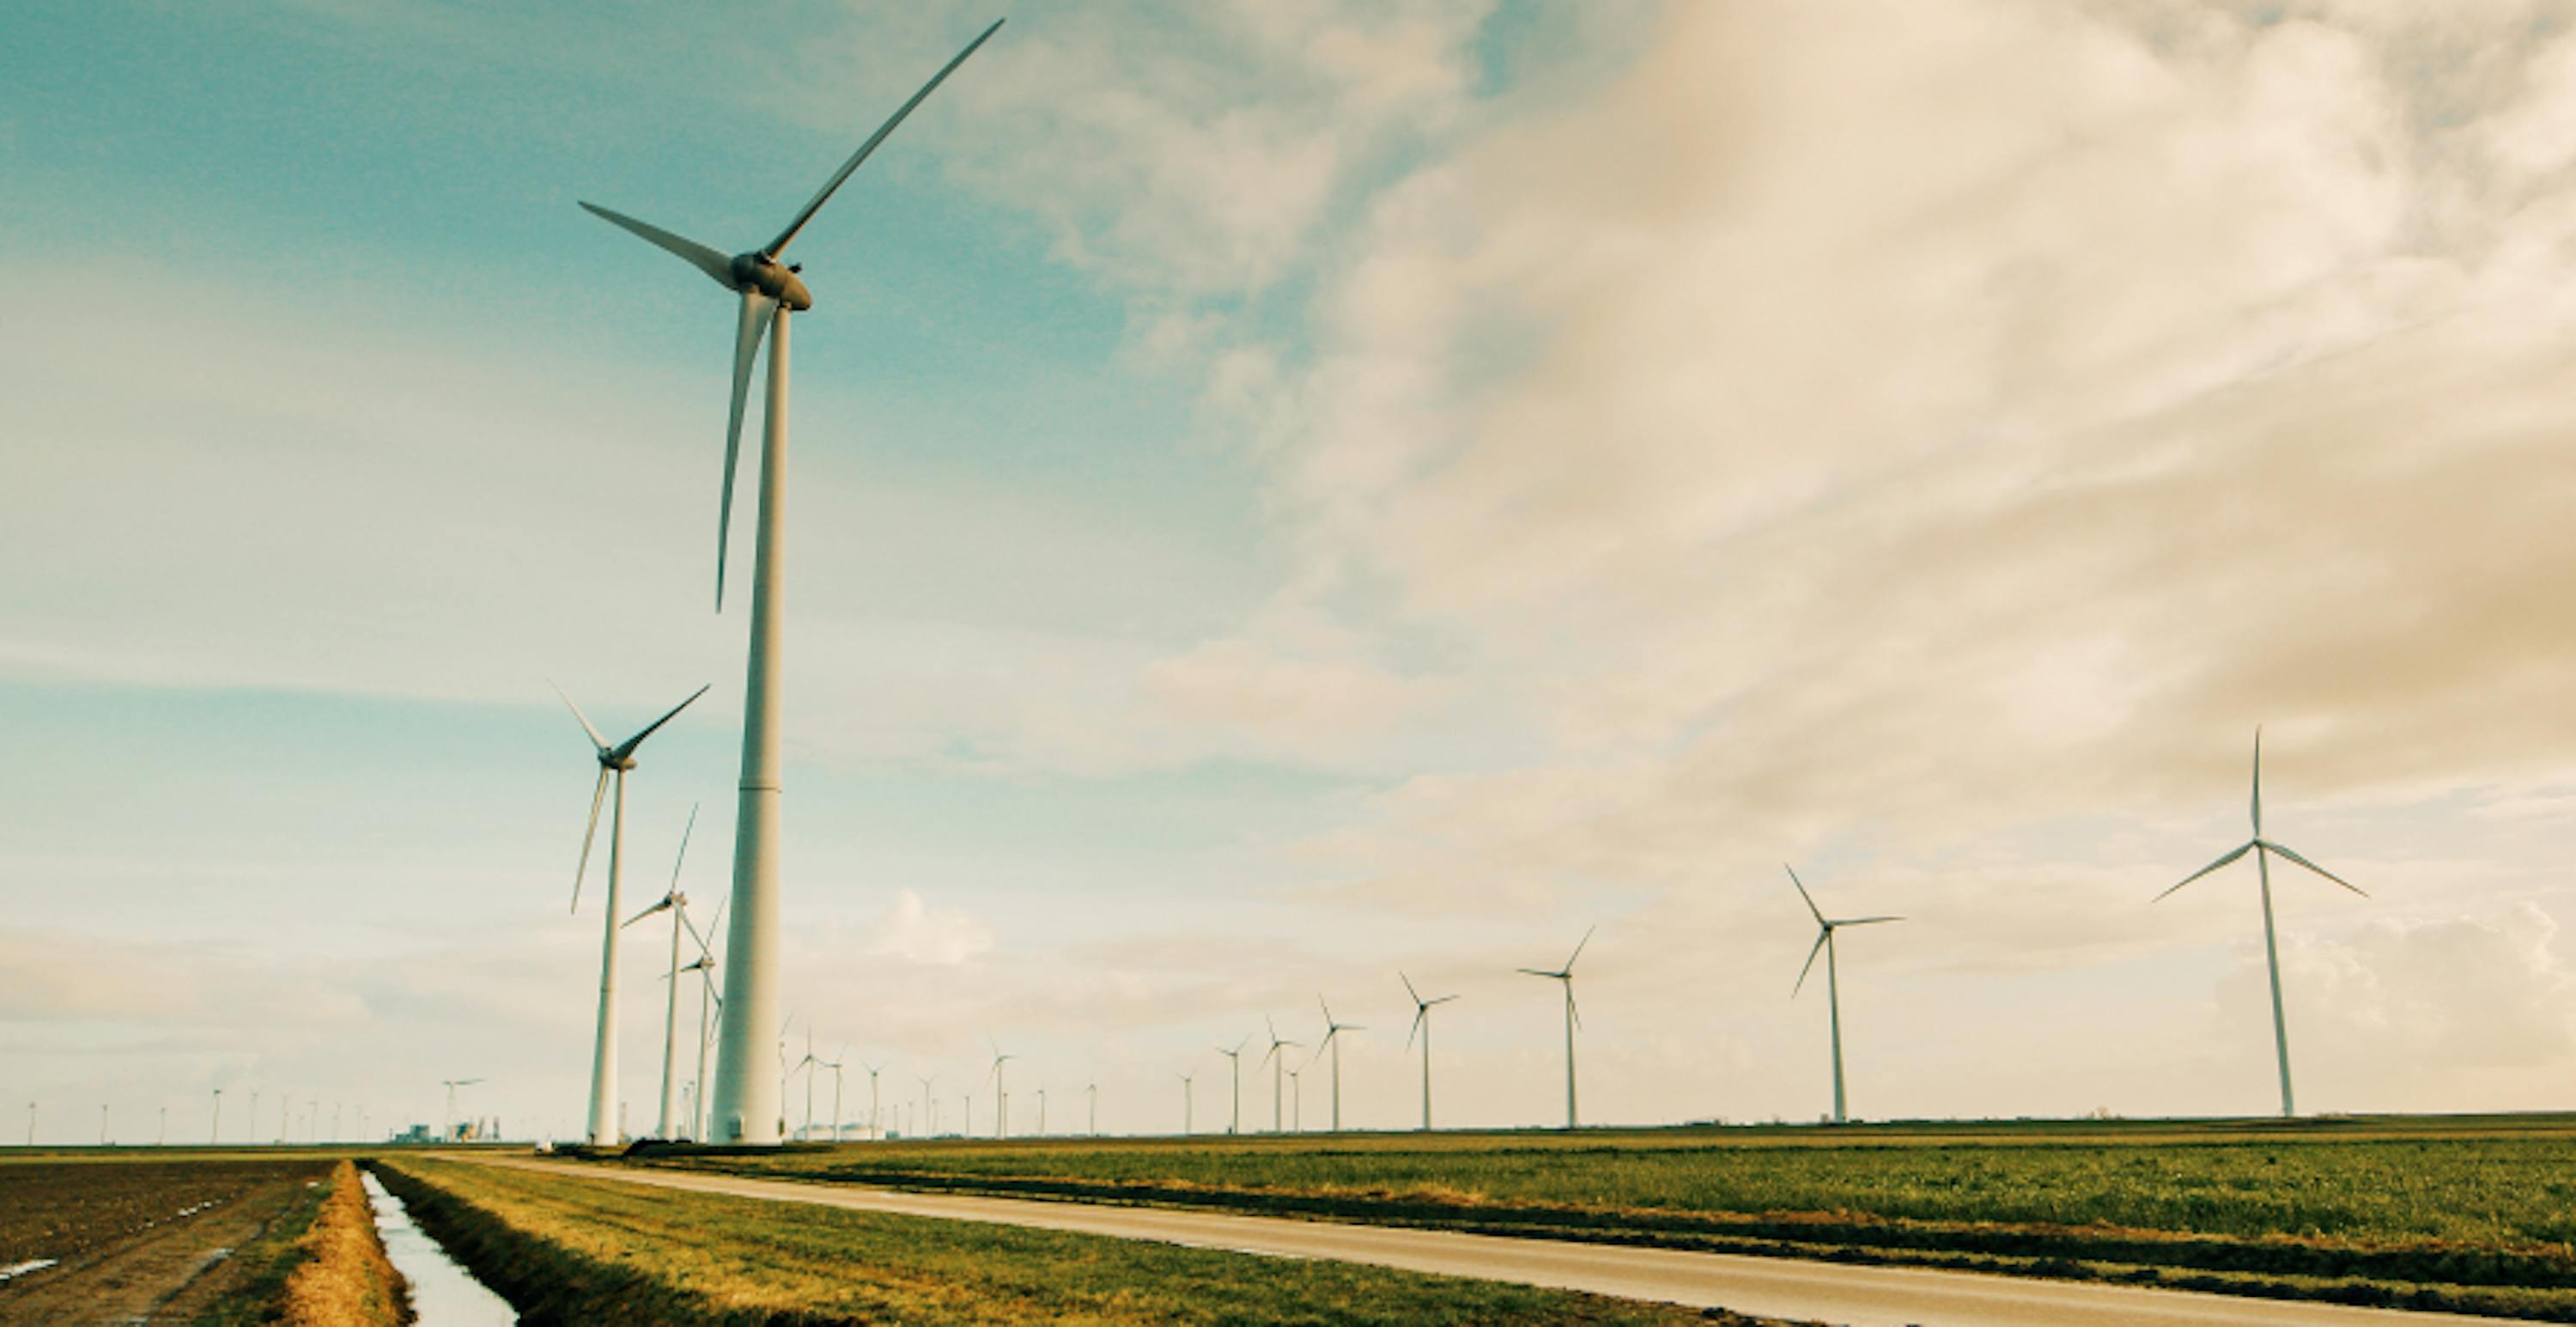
x,y
1422,1028
614,762
1185,1105
677,904
1278,1065
1333,1040
2264,848
1825,929
1573,1019
876,1127
770,290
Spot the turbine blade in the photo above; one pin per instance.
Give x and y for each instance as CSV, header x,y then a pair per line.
x,y
1536,973
595,739
685,832
2258,780
823,195
695,254
1414,995
1864,921
1442,999
598,793
2248,847
1578,947
2274,847
756,311
627,748
1819,948
1572,1009
1421,1014
1802,892
665,903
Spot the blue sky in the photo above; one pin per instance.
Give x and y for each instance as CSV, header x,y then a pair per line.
x,y
1290,491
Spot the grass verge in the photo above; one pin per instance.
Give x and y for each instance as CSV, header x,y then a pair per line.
x,y
566,1250
343,1278
2470,1216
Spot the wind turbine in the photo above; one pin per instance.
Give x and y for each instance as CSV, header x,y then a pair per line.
x,y
834,1064
447,1122
1297,1095
1041,1109
1573,1018
1277,1063
218,1130
876,1127
1825,929
677,904
770,290
929,1117
1091,1090
1186,1130
1001,1096
705,967
1422,1027
1333,1038
613,761
2263,849
1234,1125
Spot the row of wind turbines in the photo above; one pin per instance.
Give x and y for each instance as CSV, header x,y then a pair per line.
x,y
746,1105
1327,1048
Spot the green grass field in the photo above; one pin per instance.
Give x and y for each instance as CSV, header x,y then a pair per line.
x,y
575,1250
2474,1213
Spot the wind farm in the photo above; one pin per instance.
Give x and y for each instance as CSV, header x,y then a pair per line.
x,y
1286,495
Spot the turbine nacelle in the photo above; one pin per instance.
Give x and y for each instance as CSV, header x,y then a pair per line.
x,y
758,273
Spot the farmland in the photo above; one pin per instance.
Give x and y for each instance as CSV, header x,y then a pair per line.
x,y
2476,1213
127,1233
573,1249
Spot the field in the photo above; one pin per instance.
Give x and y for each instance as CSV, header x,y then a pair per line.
x,y
2475,1214
185,1238
566,1249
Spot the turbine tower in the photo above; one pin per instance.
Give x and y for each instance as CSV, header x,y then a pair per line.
x,y
1833,989
770,290
1333,1040
677,904
1573,1018
1278,1063
2264,848
1001,1097
1185,1105
447,1122
614,761
1234,1058
1422,1026
876,1127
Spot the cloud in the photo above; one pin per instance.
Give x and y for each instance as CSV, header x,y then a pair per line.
x,y
916,933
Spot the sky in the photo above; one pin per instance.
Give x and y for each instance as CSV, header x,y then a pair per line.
x,y
1285,494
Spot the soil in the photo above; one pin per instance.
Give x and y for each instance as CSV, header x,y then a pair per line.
x,y
133,1241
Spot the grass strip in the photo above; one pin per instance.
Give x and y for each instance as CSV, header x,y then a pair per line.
x,y
344,1278
565,1250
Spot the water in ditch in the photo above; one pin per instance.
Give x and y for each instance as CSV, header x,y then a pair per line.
x,y
443,1294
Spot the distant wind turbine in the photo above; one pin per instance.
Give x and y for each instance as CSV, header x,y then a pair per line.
x,y
2263,849
1422,1027
614,762
1277,1063
1833,988
876,1126
1001,1095
447,1122
1185,1110
1573,1019
770,290
1333,1041
1234,1059
666,1127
